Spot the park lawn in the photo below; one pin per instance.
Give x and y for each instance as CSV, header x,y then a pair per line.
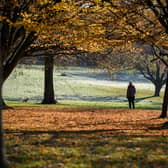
x,y
141,103
42,137
77,150
81,84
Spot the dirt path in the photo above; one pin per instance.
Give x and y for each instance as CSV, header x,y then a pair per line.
x,y
114,121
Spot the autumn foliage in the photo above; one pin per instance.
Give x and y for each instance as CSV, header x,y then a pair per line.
x,y
115,121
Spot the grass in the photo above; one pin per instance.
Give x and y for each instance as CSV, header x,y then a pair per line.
x,y
28,82
86,151
72,91
152,103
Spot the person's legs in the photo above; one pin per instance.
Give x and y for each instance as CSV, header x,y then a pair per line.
x,y
133,104
129,101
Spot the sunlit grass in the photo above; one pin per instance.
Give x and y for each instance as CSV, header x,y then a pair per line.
x,y
86,151
152,104
28,82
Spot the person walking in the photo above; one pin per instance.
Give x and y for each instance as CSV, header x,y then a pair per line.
x,y
131,91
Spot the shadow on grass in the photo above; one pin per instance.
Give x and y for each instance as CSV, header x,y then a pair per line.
x,y
91,149
82,98
142,98
75,98
164,126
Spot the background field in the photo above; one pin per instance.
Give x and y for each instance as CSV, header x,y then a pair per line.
x,y
80,87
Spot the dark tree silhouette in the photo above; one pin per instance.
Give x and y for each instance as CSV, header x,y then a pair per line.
x,y
154,71
15,44
3,158
165,101
49,97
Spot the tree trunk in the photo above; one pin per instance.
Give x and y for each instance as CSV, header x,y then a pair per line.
x,y
49,97
3,159
157,90
165,101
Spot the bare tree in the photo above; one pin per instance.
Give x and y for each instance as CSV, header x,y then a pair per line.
x,y
162,55
154,71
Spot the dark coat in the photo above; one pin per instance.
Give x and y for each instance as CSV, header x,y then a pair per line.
x,y
131,91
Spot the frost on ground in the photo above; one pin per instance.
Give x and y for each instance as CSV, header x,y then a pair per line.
x,y
72,84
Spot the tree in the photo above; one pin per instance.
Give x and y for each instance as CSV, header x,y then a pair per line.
x,y
162,55
13,43
14,40
165,101
3,159
16,36
49,97
120,58
154,71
